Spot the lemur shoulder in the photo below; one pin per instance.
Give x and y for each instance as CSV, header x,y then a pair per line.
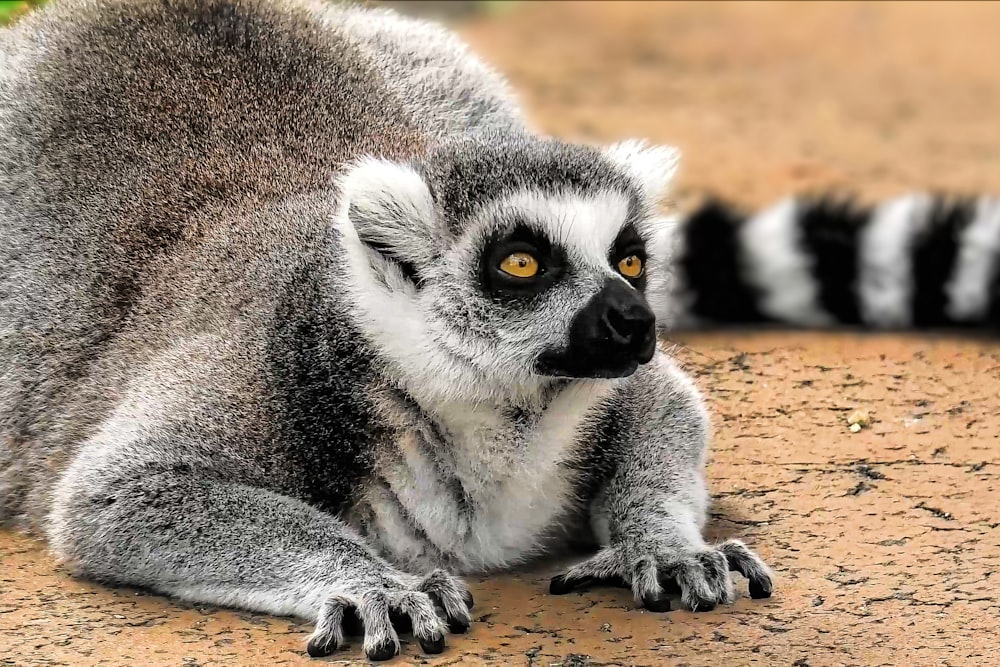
x,y
298,315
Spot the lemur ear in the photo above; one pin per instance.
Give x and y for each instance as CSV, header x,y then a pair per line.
x,y
390,209
652,167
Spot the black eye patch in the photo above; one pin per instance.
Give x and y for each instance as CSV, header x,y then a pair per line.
x,y
552,262
628,243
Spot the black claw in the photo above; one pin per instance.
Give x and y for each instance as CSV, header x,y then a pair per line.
x,y
432,645
457,625
469,600
702,605
318,649
561,584
383,651
758,590
658,603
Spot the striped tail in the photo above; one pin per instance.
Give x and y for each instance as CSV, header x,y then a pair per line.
x,y
919,261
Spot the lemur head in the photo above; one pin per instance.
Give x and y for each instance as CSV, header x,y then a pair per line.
x,y
495,264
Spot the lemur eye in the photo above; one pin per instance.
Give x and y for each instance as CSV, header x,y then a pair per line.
x,y
630,267
520,265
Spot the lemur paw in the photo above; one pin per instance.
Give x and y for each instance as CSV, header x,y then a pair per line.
x,y
429,607
653,571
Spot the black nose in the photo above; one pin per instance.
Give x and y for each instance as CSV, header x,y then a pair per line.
x,y
610,336
628,325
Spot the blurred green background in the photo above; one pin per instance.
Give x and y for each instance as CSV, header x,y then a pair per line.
x,y
10,9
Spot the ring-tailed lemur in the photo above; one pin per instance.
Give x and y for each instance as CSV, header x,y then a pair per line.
x,y
299,316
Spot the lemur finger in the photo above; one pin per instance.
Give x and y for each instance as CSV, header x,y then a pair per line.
x,y
451,595
381,641
329,633
605,566
428,627
565,583
717,577
692,579
743,560
646,585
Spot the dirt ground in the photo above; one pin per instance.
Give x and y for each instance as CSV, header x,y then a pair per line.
x,y
886,542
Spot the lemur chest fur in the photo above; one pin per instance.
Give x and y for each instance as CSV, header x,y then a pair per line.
x,y
476,487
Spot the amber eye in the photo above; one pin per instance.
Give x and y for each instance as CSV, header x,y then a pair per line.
x,y
520,265
630,267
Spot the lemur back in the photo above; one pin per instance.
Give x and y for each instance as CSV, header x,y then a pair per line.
x,y
166,125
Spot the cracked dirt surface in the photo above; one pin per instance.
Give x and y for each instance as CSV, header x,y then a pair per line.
x,y
886,542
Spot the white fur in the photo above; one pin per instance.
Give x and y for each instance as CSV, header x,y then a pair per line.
x,y
302,597
396,324
398,197
302,602
977,264
418,488
886,266
391,317
776,264
585,225
516,488
652,167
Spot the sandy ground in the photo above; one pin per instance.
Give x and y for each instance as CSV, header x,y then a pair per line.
x,y
886,541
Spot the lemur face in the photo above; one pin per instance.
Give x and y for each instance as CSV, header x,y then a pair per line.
x,y
508,262
562,275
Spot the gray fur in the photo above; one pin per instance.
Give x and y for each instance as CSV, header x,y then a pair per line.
x,y
245,357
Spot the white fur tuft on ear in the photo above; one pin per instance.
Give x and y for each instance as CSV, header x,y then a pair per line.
x,y
652,167
390,209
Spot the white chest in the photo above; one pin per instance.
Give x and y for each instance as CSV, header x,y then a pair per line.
x,y
501,485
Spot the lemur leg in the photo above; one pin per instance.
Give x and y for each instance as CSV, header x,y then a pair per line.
x,y
655,548
180,528
650,514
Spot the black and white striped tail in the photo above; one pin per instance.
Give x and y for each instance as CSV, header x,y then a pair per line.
x,y
918,261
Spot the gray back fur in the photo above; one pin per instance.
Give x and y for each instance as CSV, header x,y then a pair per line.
x,y
140,143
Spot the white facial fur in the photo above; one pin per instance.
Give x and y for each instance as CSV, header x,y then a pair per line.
x,y
447,340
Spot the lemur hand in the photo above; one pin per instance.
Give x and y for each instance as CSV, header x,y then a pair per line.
x,y
654,569
377,609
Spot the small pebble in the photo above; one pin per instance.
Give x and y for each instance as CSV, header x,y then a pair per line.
x,y
859,418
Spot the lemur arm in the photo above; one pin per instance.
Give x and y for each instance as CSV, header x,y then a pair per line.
x,y
649,514
161,510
